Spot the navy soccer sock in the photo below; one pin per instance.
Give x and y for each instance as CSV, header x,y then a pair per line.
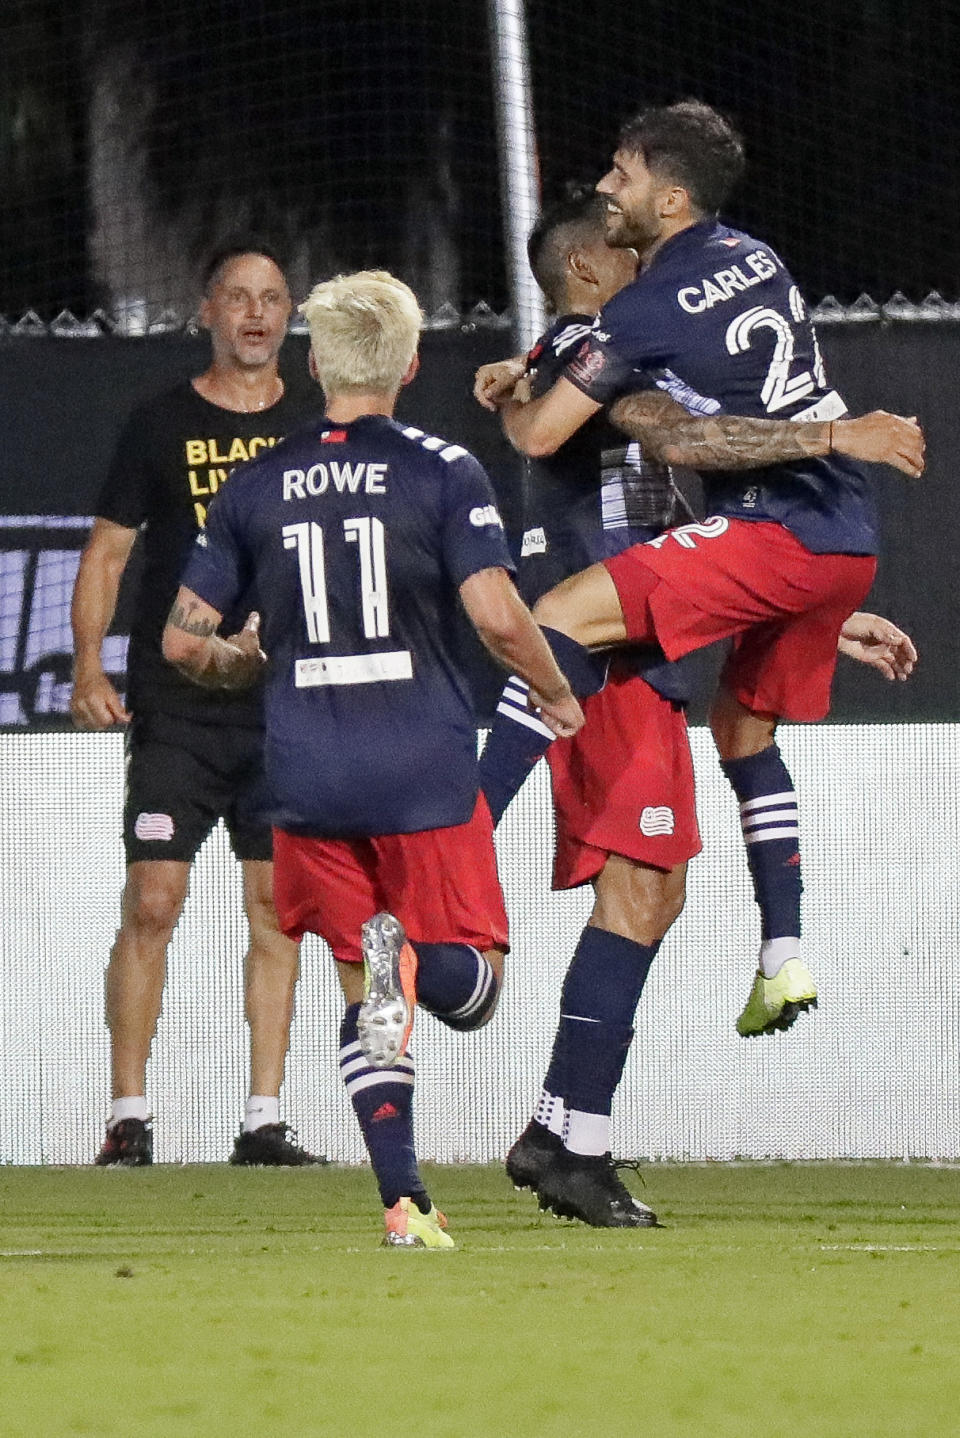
x,y
599,998
456,983
383,1102
518,738
768,817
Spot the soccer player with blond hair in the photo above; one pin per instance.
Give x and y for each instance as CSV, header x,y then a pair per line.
x,y
358,534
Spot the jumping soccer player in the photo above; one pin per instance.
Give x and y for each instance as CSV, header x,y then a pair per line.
x,y
359,534
623,787
715,322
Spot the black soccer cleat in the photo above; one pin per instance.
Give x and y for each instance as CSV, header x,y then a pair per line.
x,y
589,1187
273,1145
128,1144
531,1155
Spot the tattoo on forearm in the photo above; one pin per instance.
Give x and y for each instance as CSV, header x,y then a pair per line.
x,y
180,619
218,664
667,432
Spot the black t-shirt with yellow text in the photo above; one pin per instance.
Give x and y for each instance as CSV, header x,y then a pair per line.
x,y
174,454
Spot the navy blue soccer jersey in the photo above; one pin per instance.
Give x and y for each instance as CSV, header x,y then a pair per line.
x,y
357,538
597,494
593,498
718,323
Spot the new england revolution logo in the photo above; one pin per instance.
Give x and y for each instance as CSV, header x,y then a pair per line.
x,y
656,820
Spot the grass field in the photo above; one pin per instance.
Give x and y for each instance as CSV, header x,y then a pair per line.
x,y
785,1300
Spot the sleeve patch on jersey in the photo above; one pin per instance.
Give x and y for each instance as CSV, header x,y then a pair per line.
x,y
484,514
587,365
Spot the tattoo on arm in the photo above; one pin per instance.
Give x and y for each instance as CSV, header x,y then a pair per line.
x,y
669,433
180,619
217,664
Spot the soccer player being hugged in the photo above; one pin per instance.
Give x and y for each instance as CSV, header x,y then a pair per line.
x,y
623,786
714,322
358,534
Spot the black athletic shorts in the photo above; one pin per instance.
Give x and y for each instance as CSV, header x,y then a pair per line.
x,y
182,777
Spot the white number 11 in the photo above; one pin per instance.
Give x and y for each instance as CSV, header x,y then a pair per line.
x,y
369,535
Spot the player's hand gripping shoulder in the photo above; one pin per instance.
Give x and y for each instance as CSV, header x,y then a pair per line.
x,y
882,438
493,384
875,641
192,645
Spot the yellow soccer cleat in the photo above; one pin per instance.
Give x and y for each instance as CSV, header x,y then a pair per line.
x,y
407,1227
774,1003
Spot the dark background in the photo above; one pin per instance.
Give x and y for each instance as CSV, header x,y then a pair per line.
x,y
349,133
358,132
65,400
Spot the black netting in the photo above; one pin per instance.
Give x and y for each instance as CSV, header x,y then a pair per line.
x,y
356,132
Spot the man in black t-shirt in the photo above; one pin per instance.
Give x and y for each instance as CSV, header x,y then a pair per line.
x,y
193,756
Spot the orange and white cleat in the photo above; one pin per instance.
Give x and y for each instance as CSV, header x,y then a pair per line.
x,y
407,1227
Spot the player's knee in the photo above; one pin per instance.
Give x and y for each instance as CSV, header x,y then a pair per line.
x,y
151,907
738,731
264,927
479,1014
670,909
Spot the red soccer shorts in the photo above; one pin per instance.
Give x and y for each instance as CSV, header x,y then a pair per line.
x,y
755,581
624,784
441,884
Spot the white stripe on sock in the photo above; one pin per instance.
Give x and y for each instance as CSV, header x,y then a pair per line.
x,y
586,1133
480,991
378,1076
788,797
766,835
361,1062
524,717
769,816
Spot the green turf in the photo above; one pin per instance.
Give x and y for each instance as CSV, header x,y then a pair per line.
x,y
814,1300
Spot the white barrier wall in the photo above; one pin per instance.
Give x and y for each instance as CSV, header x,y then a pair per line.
x,y
874,1073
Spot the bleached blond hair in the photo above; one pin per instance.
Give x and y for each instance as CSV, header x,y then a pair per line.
x,y
364,331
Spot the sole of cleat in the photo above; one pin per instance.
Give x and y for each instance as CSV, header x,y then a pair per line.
x,y
386,1014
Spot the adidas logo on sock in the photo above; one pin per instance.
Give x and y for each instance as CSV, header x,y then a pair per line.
x,y
386,1110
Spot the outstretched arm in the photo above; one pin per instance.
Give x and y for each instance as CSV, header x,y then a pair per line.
x,y
669,433
192,645
875,641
